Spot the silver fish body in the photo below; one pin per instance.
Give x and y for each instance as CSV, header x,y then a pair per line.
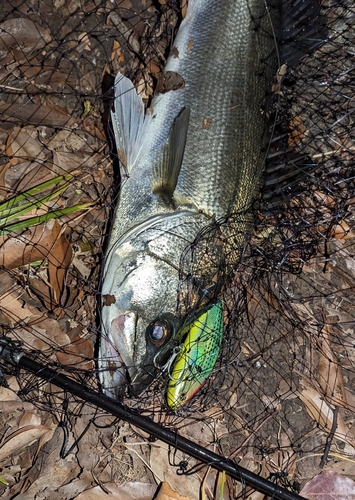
x,y
197,154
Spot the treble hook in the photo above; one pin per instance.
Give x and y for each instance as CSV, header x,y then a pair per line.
x,y
170,361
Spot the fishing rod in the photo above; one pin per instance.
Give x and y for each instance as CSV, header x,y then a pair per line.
x,y
16,357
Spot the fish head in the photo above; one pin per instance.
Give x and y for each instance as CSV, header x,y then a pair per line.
x,y
139,322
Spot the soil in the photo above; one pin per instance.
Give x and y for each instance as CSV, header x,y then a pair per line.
x,y
280,400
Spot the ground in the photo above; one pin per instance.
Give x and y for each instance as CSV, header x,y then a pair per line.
x,y
280,400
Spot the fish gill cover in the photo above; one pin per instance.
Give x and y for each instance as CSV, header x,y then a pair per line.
x,y
280,399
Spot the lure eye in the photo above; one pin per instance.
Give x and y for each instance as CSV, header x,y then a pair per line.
x,y
159,332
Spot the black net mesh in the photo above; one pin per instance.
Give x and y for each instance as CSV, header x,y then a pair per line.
x,y
280,399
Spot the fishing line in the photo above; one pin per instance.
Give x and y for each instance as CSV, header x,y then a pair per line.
x,y
17,357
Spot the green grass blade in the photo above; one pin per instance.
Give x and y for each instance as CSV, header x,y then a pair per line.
x,y
40,219
12,213
35,190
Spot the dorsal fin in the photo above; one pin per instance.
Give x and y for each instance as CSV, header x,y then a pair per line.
x,y
128,120
167,168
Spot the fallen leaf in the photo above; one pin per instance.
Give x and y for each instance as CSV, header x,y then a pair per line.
x,y
329,486
25,174
84,44
323,414
66,141
49,114
160,465
24,34
10,393
22,438
328,370
23,143
12,307
67,162
30,418
117,58
59,259
167,493
128,491
41,242
297,132
79,354
344,467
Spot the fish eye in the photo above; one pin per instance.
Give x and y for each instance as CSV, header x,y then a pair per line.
x,y
159,332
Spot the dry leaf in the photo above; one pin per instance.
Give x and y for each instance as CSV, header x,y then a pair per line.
x,y
329,486
59,259
66,141
329,373
79,353
25,174
345,467
41,242
24,437
22,33
85,43
10,393
128,491
297,132
117,57
67,162
160,465
167,493
38,114
12,307
23,143
30,418
323,415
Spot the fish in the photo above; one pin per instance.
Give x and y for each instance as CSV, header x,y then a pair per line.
x,y
194,156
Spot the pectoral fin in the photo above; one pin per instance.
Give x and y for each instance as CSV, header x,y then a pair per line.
x,y
167,169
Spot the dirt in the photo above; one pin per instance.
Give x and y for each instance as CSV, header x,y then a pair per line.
x,y
280,399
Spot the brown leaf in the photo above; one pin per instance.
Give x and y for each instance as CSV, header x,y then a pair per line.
x,y
79,353
323,414
117,57
33,244
297,131
128,491
23,143
169,80
67,141
30,418
25,175
167,493
41,242
23,437
160,465
38,114
12,307
22,33
3,170
329,486
329,373
59,259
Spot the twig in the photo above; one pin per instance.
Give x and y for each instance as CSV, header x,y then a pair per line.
x,y
330,437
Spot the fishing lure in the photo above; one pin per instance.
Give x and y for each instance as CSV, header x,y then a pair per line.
x,y
201,342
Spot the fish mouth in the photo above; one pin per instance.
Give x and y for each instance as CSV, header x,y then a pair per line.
x,y
116,354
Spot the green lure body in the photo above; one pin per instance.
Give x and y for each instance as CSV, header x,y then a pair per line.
x,y
198,355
